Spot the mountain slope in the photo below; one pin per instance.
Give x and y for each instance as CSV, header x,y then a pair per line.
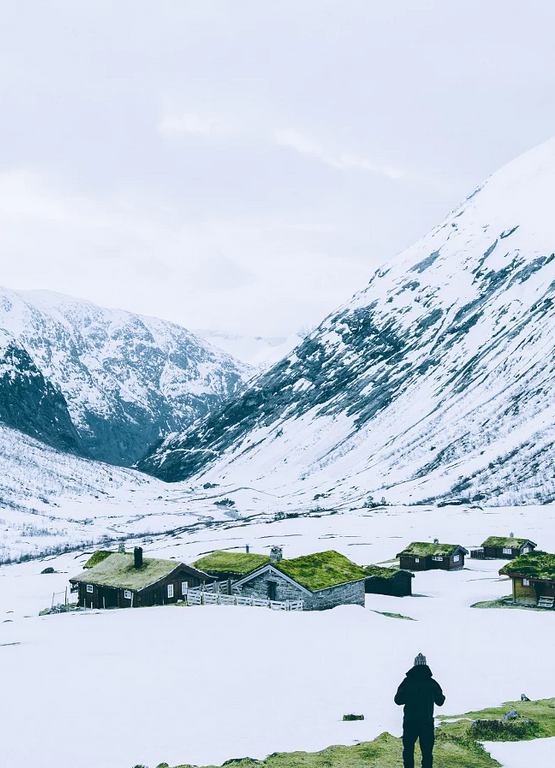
x,y
434,381
30,403
126,379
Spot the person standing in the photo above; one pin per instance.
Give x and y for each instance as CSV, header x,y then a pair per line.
x,y
419,692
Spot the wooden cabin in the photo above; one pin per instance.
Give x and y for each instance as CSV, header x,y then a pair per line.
x,y
388,581
125,580
322,580
533,578
224,565
425,556
506,547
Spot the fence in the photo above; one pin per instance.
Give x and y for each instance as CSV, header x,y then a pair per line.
x,y
204,597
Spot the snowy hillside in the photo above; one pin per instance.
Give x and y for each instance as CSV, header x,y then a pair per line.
x,y
433,382
126,379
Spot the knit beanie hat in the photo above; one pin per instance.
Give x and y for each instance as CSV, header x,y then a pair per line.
x,y
420,660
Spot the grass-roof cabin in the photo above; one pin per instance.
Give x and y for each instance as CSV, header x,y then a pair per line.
x,y
533,578
127,580
388,581
224,565
424,556
506,547
322,580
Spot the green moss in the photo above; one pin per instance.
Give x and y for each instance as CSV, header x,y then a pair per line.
x,y
321,570
118,570
384,752
351,718
97,557
425,549
536,565
503,541
383,573
230,562
541,713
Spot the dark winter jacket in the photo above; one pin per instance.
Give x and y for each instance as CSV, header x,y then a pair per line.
x,y
419,692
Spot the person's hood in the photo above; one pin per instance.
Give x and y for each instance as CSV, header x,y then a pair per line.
x,y
421,671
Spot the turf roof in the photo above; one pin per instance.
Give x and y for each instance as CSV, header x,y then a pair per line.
x,y
536,565
505,541
426,549
118,570
231,562
384,573
97,557
321,570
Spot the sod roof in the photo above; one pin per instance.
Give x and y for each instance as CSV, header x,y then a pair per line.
x,y
506,541
426,549
118,570
534,565
321,570
231,562
384,573
97,557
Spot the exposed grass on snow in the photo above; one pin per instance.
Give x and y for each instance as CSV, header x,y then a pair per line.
x,y
394,615
541,713
507,602
384,752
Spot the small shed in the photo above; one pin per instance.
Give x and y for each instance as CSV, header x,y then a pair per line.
x,y
125,580
388,581
223,565
321,580
506,547
425,556
533,578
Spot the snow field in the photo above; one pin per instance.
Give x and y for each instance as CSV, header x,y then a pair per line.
x,y
110,689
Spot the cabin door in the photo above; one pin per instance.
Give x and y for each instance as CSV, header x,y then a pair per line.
x,y
272,588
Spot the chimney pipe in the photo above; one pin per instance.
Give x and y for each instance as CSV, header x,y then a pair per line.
x,y
276,554
436,542
138,554
247,549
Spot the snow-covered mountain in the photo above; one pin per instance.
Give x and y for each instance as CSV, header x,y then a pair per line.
x,y
260,352
435,381
124,379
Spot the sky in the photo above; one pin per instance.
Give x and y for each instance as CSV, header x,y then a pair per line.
x,y
246,165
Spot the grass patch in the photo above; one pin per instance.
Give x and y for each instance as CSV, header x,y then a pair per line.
x,y
97,557
384,752
541,713
321,570
230,562
394,615
507,602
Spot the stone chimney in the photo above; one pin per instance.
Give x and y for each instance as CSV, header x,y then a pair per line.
x,y
138,556
511,535
436,542
276,554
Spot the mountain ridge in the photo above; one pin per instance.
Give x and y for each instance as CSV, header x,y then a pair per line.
x,y
429,384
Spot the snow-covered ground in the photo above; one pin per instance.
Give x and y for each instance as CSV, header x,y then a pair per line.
x,y
206,684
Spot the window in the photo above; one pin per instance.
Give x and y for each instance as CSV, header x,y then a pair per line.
x,y
507,551
456,558
416,559
437,559
90,588
127,594
525,550
525,582
170,590
184,587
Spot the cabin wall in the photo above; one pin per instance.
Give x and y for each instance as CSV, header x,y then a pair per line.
x,y
351,593
412,563
259,587
397,586
524,593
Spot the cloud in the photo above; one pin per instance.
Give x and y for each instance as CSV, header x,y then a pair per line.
x,y
193,123
339,159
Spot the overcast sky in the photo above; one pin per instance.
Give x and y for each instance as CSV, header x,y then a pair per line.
x,y
246,165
